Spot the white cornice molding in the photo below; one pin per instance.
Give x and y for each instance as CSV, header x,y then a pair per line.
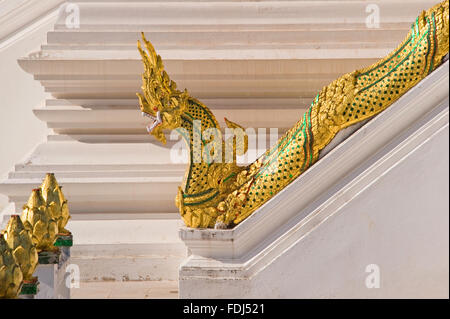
x,y
233,50
194,14
19,17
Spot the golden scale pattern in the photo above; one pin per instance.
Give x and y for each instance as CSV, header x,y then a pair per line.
x,y
223,195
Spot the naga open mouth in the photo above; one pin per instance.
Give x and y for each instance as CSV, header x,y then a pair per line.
x,y
156,120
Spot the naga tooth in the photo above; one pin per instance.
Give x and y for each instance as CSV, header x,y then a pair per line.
x,y
151,127
148,115
158,117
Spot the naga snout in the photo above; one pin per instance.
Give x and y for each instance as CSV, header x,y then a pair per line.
x,y
156,120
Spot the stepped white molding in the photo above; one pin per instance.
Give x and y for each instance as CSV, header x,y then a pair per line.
x,y
125,247
23,27
247,60
231,263
17,17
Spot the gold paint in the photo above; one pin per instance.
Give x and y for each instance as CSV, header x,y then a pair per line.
x,y
178,109
352,98
55,202
37,218
11,278
24,251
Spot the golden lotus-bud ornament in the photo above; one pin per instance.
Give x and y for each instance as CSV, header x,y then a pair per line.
x,y
11,278
65,215
23,249
55,202
37,218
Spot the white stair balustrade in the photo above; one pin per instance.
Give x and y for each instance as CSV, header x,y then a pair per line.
x,y
376,205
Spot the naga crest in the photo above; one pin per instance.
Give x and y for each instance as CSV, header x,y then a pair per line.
x,y
162,102
212,172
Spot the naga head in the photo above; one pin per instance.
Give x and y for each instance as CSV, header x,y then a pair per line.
x,y
161,102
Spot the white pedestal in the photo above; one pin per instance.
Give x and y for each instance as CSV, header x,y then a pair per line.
x,y
53,278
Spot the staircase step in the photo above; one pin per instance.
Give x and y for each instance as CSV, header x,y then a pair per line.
x,y
164,289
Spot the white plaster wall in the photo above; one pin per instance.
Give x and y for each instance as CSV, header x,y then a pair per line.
x,y
20,130
400,223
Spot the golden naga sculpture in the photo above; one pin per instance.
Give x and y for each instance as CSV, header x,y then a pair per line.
x,y
23,249
11,278
56,202
37,218
222,194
